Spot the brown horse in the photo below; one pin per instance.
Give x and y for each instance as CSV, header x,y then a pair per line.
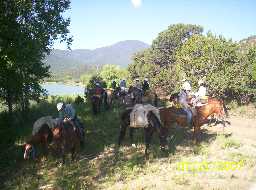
x,y
176,115
63,136
96,103
108,98
66,139
42,138
214,107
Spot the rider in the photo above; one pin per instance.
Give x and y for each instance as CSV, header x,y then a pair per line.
x,y
122,86
68,113
183,100
98,89
200,93
145,85
137,84
113,85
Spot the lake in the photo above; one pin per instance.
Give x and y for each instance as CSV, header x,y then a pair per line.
x,y
63,89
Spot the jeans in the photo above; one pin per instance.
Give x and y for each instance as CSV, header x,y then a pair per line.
x,y
189,116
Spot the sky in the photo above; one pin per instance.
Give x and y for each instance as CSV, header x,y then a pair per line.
x,y
98,23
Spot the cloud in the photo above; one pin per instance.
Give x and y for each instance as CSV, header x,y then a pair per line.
x,y
136,3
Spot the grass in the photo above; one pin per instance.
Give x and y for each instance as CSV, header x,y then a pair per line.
x,y
228,142
102,165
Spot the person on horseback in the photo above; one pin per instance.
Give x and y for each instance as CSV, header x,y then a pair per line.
x,y
122,86
99,90
201,93
68,114
145,85
113,85
183,100
137,84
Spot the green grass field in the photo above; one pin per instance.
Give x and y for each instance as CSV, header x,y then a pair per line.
x,y
101,165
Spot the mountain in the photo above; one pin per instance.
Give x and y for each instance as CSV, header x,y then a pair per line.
x,y
79,60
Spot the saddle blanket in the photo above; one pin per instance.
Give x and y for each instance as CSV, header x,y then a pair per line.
x,y
41,121
138,116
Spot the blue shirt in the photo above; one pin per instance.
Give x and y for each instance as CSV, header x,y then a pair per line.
x,y
67,112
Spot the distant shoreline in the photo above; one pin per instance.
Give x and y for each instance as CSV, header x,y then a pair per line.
x,y
71,83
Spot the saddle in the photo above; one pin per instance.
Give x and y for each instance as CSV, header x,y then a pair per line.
x,y
138,116
203,101
179,111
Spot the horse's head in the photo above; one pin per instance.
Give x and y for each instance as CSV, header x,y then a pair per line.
x,y
29,151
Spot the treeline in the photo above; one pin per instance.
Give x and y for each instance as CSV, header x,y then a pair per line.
x,y
104,75
27,33
183,52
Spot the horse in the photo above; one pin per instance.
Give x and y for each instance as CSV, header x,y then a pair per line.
x,y
200,116
119,94
136,94
46,131
96,103
108,98
150,96
41,136
66,139
153,125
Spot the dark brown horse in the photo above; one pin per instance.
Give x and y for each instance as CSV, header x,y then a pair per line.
x,y
154,125
96,101
200,116
66,140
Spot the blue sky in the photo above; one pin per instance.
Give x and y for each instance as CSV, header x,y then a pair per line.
x,y
97,23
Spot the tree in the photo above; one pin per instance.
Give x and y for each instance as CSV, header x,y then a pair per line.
x,y
112,72
158,62
168,41
218,61
28,31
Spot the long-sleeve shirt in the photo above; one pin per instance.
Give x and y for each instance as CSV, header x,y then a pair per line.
x,y
68,112
201,92
123,84
183,98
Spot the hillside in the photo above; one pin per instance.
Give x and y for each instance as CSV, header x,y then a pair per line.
x,y
79,61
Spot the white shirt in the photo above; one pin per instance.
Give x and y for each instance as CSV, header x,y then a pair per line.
x,y
201,91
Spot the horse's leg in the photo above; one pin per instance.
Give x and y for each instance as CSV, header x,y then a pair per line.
x,y
163,137
131,131
148,135
196,131
63,153
122,133
45,146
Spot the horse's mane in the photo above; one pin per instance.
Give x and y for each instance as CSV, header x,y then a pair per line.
x,y
155,120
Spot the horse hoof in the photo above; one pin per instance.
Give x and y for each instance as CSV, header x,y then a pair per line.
x,y
133,145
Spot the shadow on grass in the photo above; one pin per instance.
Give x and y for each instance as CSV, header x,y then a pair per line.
x,y
99,159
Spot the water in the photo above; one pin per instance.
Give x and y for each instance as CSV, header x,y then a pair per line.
x,y
63,89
